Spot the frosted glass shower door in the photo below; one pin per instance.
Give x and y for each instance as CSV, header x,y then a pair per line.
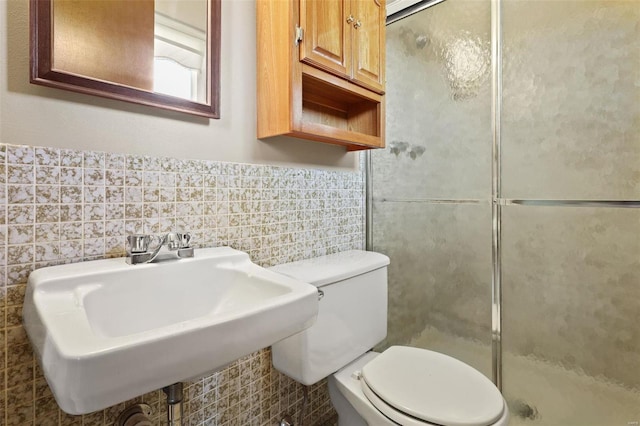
x,y
571,100
571,256
432,184
571,297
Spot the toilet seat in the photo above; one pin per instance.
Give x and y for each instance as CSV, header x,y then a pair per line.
x,y
414,386
393,414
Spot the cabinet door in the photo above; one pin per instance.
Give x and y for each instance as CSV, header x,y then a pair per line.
x,y
369,43
326,42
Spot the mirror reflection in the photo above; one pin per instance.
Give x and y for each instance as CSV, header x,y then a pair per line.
x,y
180,49
158,46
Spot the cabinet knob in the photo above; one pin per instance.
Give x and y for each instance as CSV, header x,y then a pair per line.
x,y
357,25
350,19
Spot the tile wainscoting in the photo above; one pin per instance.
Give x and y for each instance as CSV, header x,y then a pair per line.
x,y
61,206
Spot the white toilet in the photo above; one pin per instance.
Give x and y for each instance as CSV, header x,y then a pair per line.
x,y
400,386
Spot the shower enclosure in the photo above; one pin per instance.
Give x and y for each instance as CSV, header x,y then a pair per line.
x,y
508,199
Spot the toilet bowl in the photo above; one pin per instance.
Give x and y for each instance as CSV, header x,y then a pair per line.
x,y
400,386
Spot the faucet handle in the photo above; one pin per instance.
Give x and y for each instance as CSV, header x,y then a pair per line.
x,y
139,243
177,240
185,249
185,239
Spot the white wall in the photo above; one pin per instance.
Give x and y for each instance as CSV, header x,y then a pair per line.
x,y
42,116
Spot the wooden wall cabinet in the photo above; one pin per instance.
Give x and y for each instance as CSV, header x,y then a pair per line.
x,y
345,37
326,82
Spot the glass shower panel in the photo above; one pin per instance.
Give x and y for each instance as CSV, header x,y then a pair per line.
x,y
432,184
571,99
439,277
438,105
571,298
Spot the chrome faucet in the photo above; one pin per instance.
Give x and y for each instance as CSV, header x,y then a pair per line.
x,y
139,249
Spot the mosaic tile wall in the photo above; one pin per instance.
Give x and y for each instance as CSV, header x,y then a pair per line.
x,y
59,206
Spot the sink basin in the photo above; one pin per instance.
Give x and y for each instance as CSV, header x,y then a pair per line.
x,y
105,331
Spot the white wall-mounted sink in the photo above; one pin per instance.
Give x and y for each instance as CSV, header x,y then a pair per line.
x,y
105,331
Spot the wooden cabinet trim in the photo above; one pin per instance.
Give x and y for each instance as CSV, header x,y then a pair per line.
x,y
339,82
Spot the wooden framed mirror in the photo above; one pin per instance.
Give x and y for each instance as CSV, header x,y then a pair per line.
x,y
162,53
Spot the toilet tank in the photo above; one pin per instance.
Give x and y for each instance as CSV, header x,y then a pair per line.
x,y
352,317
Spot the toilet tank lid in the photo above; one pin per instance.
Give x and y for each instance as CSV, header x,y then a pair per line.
x,y
324,270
